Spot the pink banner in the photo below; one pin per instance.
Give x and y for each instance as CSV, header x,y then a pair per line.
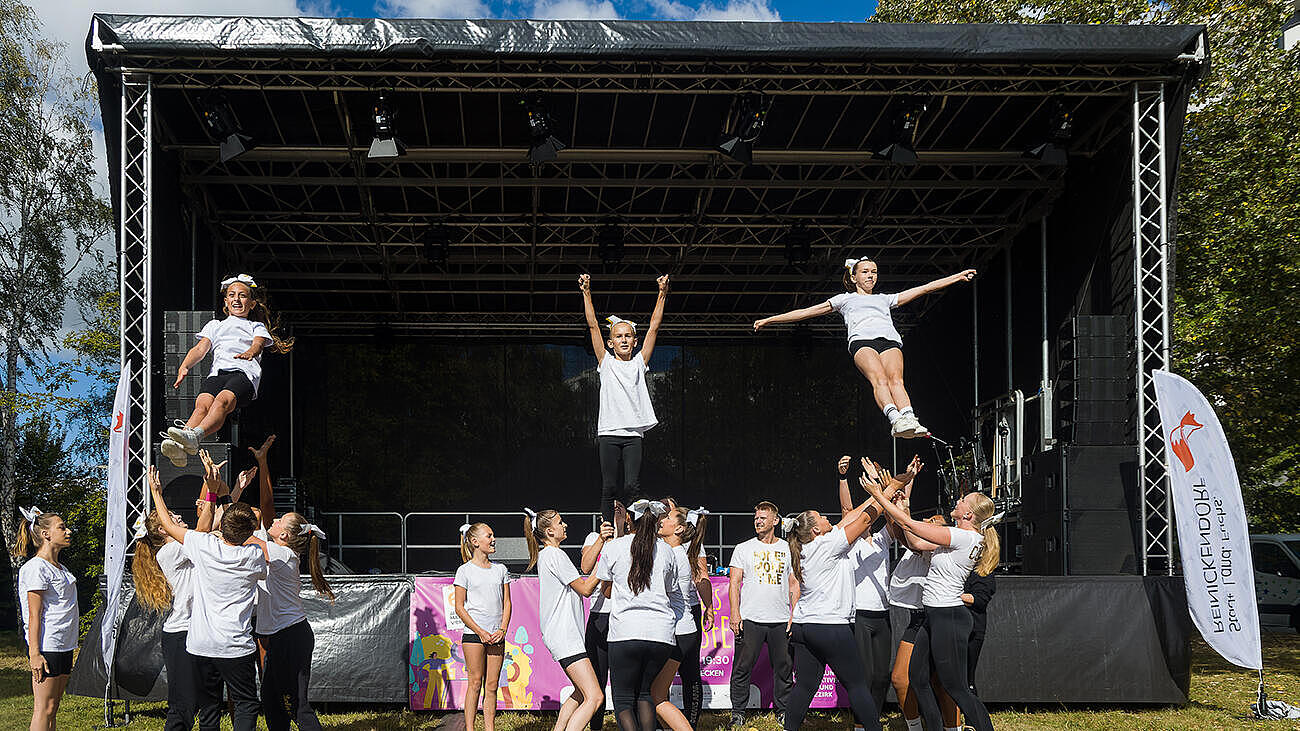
x,y
532,680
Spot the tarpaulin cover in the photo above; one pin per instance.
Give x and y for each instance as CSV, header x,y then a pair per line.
x,y
648,39
360,657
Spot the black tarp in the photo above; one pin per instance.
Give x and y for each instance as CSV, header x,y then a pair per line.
x,y
913,42
362,645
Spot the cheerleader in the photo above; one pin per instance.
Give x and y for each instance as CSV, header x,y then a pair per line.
x,y
596,638
48,601
642,624
562,589
942,643
483,604
626,413
874,342
236,344
683,531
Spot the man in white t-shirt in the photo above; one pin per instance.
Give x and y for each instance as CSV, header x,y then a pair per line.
x,y
763,593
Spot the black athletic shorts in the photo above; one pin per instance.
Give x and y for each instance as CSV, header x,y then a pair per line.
x,y
233,381
914,625
879,345
566,662
60,663
469,638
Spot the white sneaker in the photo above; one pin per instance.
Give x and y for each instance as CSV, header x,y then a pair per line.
x,y
918,430
187,438
173,451
902,427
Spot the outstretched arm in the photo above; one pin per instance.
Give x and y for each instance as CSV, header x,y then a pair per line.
x,y
266,497
821,308
648,343
164,515
939,535
588,309
846,499
195,354
908,295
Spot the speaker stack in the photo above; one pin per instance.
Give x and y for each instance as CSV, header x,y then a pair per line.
x,y
179,330
1095,386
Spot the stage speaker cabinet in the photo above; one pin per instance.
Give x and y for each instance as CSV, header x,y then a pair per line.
x,y
1095,385
1079,514
181,485
179,330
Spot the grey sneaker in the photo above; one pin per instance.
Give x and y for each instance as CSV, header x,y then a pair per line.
x,y
187,438
737,719
173,451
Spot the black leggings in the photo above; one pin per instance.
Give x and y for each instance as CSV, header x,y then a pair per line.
x,y
875,645
287,673
973,649
689,672
597,641
633,665
621,485
183,689
942,644
815,646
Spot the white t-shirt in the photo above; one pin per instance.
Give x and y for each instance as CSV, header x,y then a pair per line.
x,y
229,338
178,571
908,580
279,599
561,606
686,591
950,566
765,588
225,589
867,315
870,560
649,615
59,611
485,593
625,408
826,595
599,605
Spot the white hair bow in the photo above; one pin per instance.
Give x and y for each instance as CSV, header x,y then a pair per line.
x,y
693,517
850,263
140,530
313,529
30,515
643,506
464,528
615,319
241,278
532,514
993,520
787,524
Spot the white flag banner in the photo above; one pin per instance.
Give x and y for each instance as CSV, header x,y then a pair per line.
x,y
119,440
1212,533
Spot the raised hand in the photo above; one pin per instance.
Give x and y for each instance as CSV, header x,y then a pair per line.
x,y
245,478
843,465
584,283
663,284
259,454
913,468
872,487
967,275
606,531
155,483
211,471
872,470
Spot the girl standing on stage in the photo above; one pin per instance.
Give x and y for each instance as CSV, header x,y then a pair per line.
x,y
282,625
642,621
236,344
683,531
483,604
874,342
562,589
626,413
47,594
942,643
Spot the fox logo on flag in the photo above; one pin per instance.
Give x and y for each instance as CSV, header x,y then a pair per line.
x,y
1178,440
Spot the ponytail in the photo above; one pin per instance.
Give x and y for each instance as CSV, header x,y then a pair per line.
x,y
982,509
151,586
30,525
531,539
304,540
467,530
693,549
798,534
643,552
313,566
992,552
535,527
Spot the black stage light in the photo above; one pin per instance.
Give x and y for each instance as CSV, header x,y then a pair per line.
x,y
543,145
743,125
437,242
899,150
609,243
219,120
386,142
798,245
1060,128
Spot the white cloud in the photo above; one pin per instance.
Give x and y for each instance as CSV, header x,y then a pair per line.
x,y
573,10
432,9
756,10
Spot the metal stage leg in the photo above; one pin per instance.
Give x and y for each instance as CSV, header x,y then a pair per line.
x,y
1151,305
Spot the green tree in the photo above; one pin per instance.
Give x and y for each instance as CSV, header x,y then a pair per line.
x,y
1238,235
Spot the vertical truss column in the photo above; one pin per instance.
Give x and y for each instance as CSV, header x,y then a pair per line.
x,y
1151,305
135,267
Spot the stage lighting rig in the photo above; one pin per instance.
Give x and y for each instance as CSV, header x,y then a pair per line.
x,y
798,245
609,242
219,120
899,150
437,241
386,143
543,145
743,125
1060,128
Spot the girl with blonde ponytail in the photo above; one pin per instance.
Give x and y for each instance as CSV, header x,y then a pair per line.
x,y
483,604
942,643
562,589
47,594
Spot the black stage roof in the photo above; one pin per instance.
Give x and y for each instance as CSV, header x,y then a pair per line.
x,y
340,238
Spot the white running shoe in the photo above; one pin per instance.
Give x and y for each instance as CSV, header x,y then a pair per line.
x,y
187,438
902,427
173,451
918,430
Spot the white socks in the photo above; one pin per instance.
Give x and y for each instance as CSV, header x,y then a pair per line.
x,y
892,413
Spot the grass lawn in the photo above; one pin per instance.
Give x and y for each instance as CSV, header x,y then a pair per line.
x,y
1221,694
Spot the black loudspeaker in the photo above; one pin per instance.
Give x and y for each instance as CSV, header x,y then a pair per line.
x,y
1095,385
1079,511
179,330
181,485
